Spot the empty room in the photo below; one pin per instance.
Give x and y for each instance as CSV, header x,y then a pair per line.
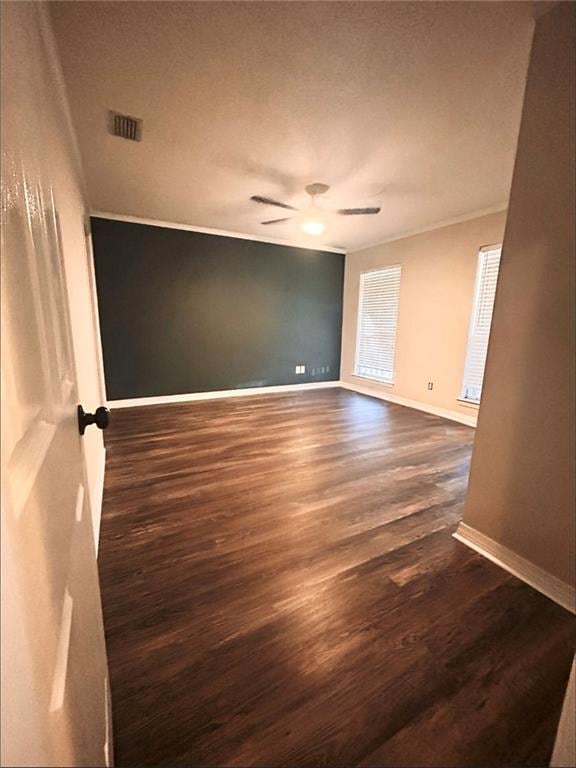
x,y
288,383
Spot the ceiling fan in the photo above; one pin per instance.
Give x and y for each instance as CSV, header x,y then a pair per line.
x,y
313,223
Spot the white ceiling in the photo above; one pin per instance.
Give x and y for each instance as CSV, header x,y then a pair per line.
x,y
413,106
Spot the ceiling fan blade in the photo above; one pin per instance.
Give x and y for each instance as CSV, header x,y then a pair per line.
x,y
275,221
268,201
358,211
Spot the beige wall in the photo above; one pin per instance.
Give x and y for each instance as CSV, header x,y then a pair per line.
x,y
436,295
521,490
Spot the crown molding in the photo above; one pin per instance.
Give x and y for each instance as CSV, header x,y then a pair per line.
x,y
206,231
439,225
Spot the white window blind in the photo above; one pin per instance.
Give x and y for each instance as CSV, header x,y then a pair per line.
x,y
377,321
485,292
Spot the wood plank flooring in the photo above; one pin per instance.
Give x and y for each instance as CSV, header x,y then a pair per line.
x,y
281,588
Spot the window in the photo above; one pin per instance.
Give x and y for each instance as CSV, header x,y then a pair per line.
x,y
377,321
484,294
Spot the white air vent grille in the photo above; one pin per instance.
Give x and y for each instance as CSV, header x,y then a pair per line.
x,y
125,126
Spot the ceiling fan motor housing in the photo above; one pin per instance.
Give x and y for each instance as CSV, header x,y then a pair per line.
x,y
317,189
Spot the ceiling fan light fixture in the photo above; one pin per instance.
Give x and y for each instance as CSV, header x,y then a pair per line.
x,y
314,215
313,227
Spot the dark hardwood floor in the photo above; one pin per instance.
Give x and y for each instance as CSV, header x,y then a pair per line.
x,y
281,588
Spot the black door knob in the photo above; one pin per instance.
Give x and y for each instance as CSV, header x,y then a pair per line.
x,y
100,417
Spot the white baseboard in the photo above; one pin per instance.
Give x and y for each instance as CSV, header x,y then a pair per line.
x,y
518,566
435,410
564,754
166,399
96,499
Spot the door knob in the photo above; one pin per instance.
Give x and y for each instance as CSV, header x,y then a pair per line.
x,y
100,417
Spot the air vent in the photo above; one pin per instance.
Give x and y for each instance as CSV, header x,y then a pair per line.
x,y
125,126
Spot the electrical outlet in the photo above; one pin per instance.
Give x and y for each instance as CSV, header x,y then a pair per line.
x,y
430,385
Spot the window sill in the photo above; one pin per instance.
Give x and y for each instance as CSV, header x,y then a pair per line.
x,y
468,403
376,381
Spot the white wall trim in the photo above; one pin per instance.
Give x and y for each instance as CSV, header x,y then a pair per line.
x,y
108,743
518,566
445,413
220,232
564,754
95,309
96,499
166,399
439,225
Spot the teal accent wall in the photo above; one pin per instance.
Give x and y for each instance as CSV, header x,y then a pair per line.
x,y
183,312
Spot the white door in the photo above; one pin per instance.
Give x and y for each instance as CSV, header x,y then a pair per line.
x,y
54,699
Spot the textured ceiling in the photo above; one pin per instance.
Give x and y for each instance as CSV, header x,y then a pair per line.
x,y
411,106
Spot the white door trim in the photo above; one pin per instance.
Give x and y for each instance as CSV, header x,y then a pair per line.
x,y
95,309
96,500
